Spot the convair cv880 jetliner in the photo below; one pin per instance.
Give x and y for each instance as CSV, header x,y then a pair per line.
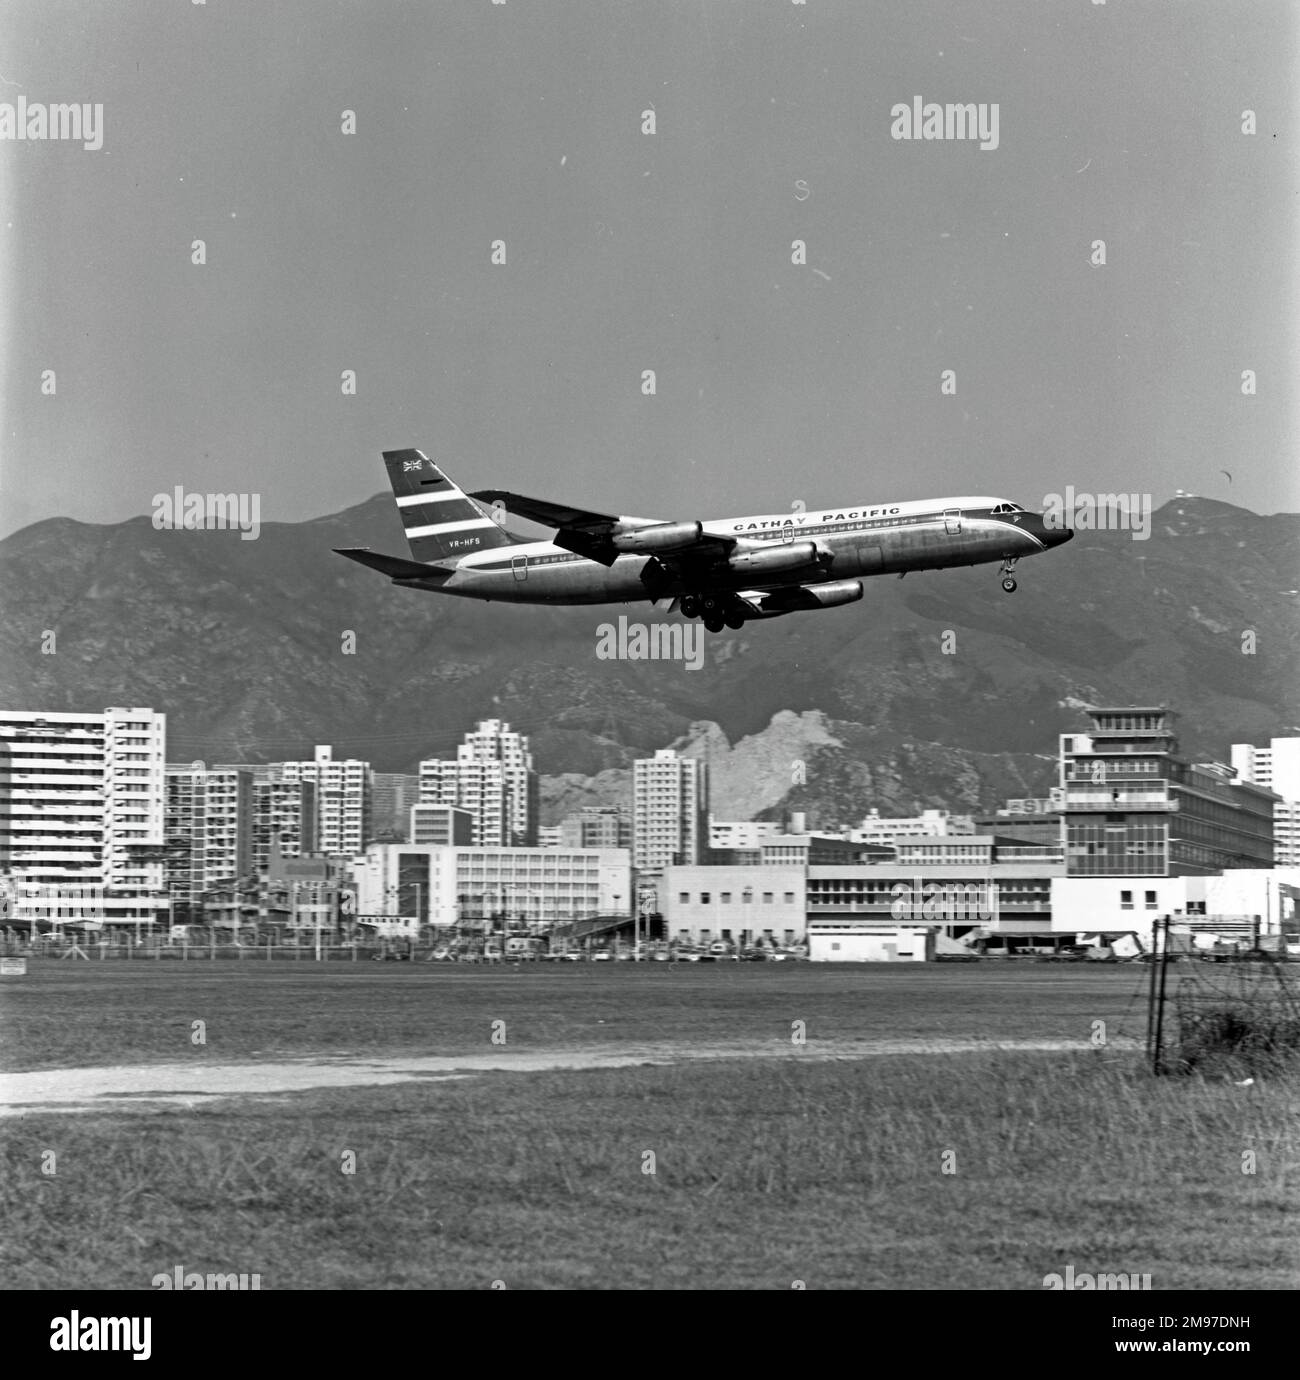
x,y
724,572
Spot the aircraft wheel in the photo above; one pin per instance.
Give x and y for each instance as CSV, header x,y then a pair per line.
x,y
734,619
714,622
690,606
1009,585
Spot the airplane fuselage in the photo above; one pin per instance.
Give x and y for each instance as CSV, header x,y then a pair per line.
x,y
786,549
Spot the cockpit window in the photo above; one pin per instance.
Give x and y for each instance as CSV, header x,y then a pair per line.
x,y
1008,508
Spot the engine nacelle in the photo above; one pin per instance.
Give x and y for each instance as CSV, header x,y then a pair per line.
x,y
836,592
803,598
663,536
770,560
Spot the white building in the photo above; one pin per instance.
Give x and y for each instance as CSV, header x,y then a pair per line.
x,y
877,829
736,834
670,811
493,777
441,824
850,941
1240,904
1276,767
741,904
82,814
342,800
442,885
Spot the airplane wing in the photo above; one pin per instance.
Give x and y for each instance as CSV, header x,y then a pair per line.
x,y
548,514
594,534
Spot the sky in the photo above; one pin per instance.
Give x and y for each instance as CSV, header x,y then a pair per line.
x,y
776,383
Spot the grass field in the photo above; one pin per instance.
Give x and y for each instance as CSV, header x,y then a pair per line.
x,y
65,1014
974,1170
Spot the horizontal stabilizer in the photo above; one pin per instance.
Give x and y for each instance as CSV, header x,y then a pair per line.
x,y
395,567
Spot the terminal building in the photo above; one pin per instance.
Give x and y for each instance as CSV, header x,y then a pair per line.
x,y
1132,807
1132,832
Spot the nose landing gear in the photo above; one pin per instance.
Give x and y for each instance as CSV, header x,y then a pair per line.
x,y
1008,578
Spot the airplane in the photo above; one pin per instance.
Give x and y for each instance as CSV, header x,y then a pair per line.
x,y
725,572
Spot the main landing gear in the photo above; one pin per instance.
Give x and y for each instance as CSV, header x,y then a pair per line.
x,y
1008,579
716,611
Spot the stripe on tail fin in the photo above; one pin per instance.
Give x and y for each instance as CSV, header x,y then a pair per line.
x,y
441,522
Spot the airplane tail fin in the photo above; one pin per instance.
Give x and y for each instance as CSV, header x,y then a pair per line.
x,y
441,521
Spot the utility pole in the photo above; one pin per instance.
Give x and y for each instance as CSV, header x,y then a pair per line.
x,y
1151,987
1156,1014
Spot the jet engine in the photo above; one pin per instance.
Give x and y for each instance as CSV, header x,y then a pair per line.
x,y
835,592
802,598
663,536
772,559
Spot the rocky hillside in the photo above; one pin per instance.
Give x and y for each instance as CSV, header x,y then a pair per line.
x,y
933,690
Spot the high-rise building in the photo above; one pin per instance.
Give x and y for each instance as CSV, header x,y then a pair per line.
x,y
209,828
1276,768
391,796
343,800
670,811
1132,807
81,813
284,816
492,776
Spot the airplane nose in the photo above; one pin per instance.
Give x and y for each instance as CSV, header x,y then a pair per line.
x,y
1053,535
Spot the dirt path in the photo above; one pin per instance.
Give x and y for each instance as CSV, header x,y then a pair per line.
x,y
155,1086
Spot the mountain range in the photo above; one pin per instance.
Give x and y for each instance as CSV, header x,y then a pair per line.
x,y
934,690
